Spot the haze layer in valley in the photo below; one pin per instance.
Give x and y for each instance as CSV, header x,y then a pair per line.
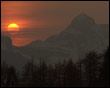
x,y
80,37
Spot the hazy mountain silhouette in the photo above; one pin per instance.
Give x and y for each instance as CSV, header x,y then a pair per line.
x,y
9,55
80,37
6,43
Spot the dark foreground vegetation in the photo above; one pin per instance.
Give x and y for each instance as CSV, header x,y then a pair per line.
x,y
91,71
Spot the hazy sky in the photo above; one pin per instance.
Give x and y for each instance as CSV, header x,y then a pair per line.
x,y
41,19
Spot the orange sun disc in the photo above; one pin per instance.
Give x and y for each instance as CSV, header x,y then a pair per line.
x,y
13,27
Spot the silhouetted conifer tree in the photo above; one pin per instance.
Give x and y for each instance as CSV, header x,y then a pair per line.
x,y
28,74
60,74
91,68
104,77
51,76
12,79
43,74
4,74
89,71
72,75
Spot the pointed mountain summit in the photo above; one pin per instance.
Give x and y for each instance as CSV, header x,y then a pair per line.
x,y
83,20
80,24
80,37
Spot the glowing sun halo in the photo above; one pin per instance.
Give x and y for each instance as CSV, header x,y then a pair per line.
x,y
13,27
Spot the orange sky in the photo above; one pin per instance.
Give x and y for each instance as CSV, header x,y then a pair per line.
x,y
41,19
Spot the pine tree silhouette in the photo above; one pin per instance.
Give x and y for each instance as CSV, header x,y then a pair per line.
x,y
86,72
12,78
104,77
91,68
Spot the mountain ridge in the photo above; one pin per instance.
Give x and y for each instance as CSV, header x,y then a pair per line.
x,y
77,39
80,37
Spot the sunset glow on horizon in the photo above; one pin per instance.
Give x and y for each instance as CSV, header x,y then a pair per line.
x,y
54,43
36,20
13,27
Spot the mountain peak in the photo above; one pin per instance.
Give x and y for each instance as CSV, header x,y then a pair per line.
x,y
6,42
82,20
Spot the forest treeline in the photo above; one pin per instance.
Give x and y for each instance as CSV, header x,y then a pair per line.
x,y
91,71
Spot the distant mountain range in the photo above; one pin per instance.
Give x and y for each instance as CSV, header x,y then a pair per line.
x,y
80,37
10,55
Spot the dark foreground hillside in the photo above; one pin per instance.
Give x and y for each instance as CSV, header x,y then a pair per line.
x,y
91,71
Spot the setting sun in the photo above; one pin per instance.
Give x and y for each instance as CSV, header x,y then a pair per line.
x,y
13,27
